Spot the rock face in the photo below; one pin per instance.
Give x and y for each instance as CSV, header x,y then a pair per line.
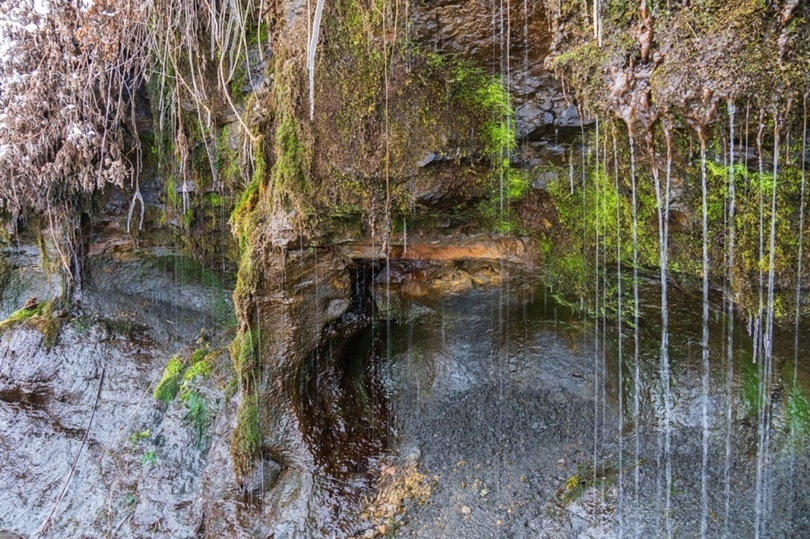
x,y
87,451
512,41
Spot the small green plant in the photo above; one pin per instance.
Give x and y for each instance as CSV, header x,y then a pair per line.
x,y
136,437
169,384
150,457
197,414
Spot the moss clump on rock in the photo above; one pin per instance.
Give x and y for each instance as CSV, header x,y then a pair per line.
x,y
166,390
23,314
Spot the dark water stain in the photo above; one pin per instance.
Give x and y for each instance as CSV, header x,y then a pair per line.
x,y
342,399
26,399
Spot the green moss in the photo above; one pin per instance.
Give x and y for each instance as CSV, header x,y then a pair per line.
x,y
246,439
200,369
487,97
214,199
244,352
169,383
198,355
173,199
39,316
289,174
586,478
797,414
242,217
684,50
188,218
598,210
227,161
22,315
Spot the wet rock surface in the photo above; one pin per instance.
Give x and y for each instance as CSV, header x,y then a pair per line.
x,y
87,450
456,379
498,390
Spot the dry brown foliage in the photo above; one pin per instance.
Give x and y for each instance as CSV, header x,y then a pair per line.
x,y
67,78
69,71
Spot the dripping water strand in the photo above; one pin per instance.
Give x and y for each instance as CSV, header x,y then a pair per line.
x,y
704,345
794,387
760,515
636,366
662,205
620,489
732,230
604,274
596,315
584,201
665,366
760,283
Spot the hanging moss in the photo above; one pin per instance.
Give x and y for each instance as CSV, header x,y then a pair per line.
x,y
244,352
246,439
243,216
227,159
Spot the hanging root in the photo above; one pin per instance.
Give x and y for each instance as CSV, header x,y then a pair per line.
x,y
136,198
